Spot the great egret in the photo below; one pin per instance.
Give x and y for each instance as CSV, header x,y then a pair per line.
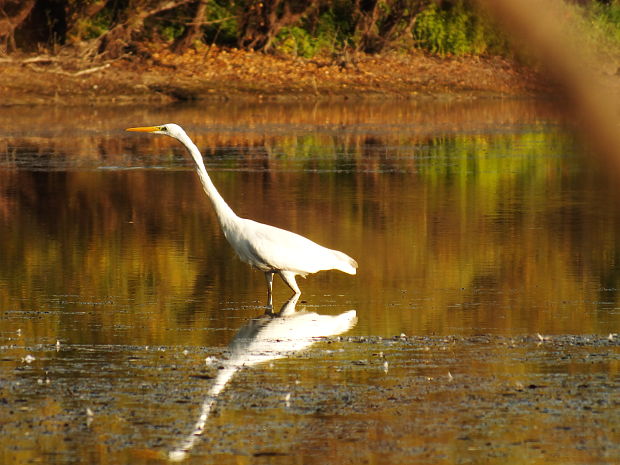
x,y
272,250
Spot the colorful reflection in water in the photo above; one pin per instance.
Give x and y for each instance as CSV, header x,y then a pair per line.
x,y
466,219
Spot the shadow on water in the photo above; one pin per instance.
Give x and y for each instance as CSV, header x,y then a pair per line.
x,y
269,337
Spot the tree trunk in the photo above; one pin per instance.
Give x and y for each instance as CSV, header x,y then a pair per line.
x,y
12,14
193,29
379,23
261,21
114,42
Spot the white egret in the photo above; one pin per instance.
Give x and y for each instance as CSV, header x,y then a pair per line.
x,y
267,248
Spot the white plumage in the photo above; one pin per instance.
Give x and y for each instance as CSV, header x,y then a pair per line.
x,y
267,248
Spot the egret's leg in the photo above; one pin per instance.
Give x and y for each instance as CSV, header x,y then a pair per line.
x,y
289,306
269,279
289,278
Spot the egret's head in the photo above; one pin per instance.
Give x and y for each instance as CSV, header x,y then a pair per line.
x,y
170,129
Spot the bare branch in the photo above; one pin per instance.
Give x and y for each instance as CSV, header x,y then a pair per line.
x,y
68,73
12,14
114,42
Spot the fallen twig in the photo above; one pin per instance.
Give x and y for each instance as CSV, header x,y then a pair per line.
x,y
39,59
25,61
69,73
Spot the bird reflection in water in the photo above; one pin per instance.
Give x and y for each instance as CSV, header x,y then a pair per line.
x,y
268,337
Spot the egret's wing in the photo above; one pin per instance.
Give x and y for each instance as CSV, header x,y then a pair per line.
x,y
278,249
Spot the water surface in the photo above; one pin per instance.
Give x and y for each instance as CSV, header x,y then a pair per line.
x,y
484,235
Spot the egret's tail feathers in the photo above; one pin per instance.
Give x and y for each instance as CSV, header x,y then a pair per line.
x,y
345,263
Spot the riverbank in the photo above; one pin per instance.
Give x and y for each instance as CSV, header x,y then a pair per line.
x,y
212,73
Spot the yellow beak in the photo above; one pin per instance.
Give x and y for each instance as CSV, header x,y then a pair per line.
x,y
144,129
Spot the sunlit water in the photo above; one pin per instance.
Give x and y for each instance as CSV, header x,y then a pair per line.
x,y
482,232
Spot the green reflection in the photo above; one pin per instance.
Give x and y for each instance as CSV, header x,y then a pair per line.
x,y
499,230
466,219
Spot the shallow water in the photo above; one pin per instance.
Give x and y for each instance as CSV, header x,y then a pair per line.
x,y
484,234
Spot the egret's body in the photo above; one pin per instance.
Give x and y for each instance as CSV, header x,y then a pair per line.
x,y
267,248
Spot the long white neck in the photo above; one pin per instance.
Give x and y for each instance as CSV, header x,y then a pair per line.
x,y
225,214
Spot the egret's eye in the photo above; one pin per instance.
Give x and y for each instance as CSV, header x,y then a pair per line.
x,y
163,128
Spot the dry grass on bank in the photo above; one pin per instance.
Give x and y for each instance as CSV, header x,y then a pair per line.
x,y
219,73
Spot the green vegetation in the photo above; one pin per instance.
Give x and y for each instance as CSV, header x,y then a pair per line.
x,y
453,28
457,31
503,212
293,27
602,23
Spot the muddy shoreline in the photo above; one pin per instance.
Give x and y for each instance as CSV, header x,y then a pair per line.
x,y
231,74
406,399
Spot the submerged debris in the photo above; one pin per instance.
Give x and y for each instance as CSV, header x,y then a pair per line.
x,y
89,416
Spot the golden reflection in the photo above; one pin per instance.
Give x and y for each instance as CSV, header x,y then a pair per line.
x,y
269,337
483,220
502,231
95,137
468,218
